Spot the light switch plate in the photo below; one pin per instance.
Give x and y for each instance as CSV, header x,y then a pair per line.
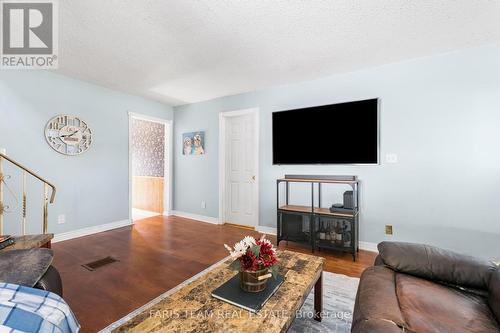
x,y
391,158
203,204
3,151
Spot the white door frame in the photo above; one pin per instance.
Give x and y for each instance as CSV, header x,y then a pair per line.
x,y
223,117
168,166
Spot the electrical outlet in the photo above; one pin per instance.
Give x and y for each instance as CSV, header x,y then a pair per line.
x,y
203,204
61,219
388,229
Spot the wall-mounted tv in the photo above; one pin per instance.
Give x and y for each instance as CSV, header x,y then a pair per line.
x,y
344,133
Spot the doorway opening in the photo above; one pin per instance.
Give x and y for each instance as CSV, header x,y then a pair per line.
x,y
150,177
239,168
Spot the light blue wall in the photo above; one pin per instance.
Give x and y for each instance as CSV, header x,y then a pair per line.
x,y
440,114
93,187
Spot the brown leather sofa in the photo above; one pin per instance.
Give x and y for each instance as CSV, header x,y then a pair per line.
x,y
31,268
423,289
50,281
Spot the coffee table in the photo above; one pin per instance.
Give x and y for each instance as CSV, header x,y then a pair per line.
x,y
191,308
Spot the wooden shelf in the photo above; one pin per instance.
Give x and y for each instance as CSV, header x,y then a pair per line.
x,y
325,244
317,210
298,180
294,220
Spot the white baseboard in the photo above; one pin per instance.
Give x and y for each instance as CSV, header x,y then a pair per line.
x,y
138,214
207,219
90,230
266,230
167,213
367,246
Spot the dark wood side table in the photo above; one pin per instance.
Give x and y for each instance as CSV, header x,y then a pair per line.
x,y
30,242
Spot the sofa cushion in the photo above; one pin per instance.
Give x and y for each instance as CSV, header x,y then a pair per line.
x,y
494,293
436,264
429,307
376,300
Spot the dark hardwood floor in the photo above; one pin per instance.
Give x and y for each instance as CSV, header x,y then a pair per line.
x,y
154,255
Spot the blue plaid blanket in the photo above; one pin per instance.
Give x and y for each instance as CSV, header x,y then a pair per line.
x,y
24,309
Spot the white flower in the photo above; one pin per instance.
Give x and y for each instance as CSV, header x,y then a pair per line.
x,y
234,254
248,241
240,247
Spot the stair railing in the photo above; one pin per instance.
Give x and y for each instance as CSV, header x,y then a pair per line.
x,y
46,200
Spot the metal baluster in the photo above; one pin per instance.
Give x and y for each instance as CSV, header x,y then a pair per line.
x,y
46,199
24,204
45,208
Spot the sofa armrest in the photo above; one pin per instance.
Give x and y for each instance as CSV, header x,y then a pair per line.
x,y
376,300
494,294
51,281
378,261
436,264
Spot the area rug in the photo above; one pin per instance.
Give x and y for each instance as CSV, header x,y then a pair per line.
x,y
339,293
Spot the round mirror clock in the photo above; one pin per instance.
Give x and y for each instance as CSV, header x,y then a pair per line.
x,y
68,135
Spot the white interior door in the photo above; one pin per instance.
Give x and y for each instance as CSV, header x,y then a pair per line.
x,y
241,166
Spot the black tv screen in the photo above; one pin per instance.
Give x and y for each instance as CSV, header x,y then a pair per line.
x,y
345,133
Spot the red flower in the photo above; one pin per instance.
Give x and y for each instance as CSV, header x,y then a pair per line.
x,y
267,256
249,262
267,253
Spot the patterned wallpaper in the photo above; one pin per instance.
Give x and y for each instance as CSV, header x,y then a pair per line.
x,y
148,148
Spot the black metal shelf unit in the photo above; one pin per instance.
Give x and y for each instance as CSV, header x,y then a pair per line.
x,y
315,225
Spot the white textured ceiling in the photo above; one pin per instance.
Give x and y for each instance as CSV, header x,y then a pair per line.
x,y
185,51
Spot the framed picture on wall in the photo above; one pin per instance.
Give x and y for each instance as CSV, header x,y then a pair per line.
x,y
193,143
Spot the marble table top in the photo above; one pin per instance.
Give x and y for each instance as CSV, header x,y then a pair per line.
x,y
29,242
192,308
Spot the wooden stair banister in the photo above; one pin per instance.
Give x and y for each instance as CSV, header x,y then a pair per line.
x,y
46,199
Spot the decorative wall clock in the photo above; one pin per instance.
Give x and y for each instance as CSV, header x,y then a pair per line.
x,y
68,135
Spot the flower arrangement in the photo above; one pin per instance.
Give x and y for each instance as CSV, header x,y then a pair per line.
x,y
251,255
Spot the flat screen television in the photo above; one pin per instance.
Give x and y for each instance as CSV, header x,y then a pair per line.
x,y
344,133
